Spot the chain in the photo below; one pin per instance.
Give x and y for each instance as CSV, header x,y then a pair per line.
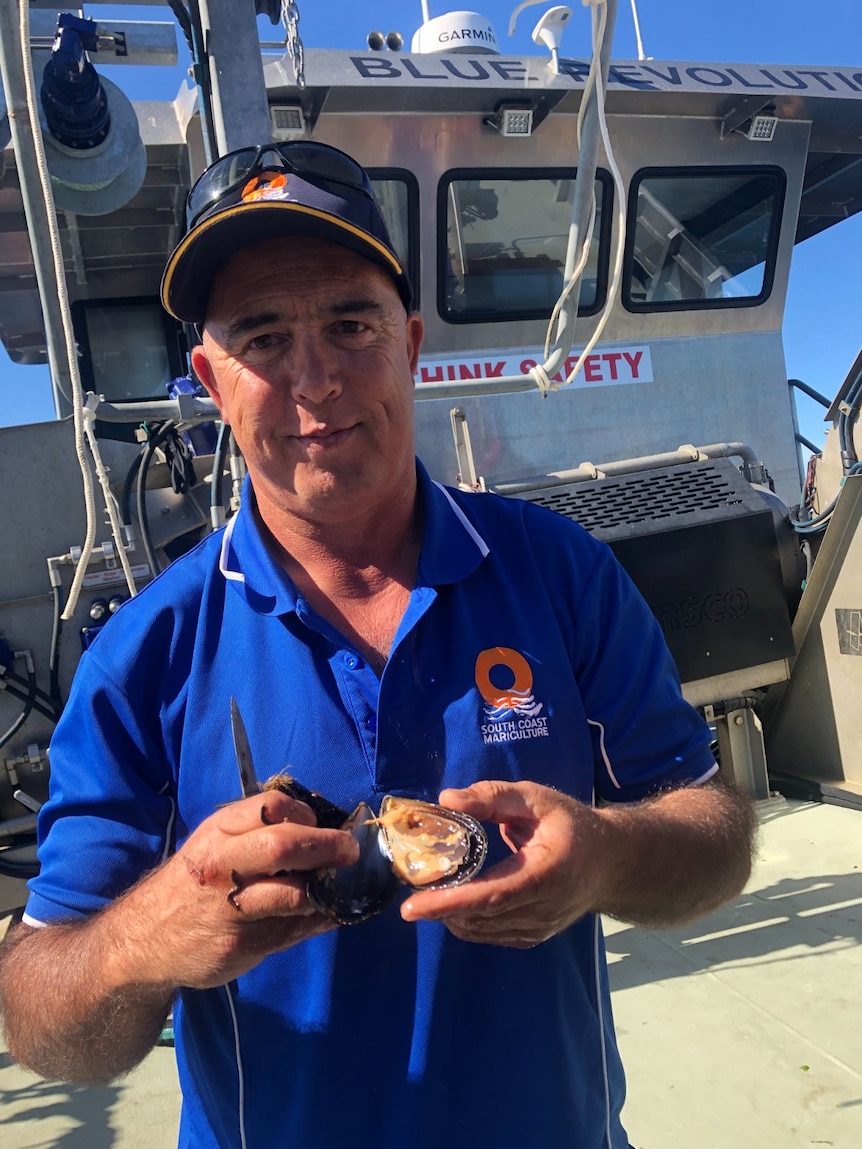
x,y
290,20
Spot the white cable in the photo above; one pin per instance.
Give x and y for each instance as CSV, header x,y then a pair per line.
x,y
561,334
577,270
65,314
619,187
572,281
513,19
110,502
540,374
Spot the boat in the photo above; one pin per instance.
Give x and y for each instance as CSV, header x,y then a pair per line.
x,y
651,403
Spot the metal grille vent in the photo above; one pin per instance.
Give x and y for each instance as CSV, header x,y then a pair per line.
x,y
664,496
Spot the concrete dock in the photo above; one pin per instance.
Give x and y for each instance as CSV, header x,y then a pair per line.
x,y
743,1030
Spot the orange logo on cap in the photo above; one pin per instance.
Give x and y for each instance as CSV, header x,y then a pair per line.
x,y
265,185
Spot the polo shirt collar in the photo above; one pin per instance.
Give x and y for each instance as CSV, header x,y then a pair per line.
x,y
451,549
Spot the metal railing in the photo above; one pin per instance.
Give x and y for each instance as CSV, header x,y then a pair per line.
x,y
806,389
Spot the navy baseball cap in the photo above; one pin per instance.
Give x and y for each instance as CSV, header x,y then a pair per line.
x,y
301,188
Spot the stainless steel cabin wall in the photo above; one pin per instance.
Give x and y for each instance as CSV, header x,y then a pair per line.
x,y
717,374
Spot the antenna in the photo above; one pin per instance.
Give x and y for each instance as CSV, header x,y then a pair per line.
x,y
426,14
641,54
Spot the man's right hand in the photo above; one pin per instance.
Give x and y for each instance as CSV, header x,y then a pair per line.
x,y
232,894
85,1000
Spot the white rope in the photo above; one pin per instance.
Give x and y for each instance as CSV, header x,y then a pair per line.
x,y
619,187
560,332
78,413
599,24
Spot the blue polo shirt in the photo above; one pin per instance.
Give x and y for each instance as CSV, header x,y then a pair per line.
x,y
524,653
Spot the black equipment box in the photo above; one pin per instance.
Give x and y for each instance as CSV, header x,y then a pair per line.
x,y
700,544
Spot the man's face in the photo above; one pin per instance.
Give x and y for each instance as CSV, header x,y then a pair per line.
x,y
310,358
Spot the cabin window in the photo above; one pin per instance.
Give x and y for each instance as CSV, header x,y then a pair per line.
x,y
398,195
703,237
503,239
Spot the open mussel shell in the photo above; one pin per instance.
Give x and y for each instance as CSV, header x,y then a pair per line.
x,y
428,846
354,893
410,843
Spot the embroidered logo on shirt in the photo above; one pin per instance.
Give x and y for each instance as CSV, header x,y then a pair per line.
x,y
511,710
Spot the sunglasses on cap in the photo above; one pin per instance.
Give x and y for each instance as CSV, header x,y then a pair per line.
x,y
317,163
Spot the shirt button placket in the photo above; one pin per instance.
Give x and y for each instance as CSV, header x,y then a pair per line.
x,y
357,686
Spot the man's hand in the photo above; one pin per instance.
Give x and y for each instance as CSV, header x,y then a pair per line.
x,y
659,862
85,1001
543,887
233,893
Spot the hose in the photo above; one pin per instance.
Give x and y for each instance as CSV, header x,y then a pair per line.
x,y
18,869
141,502
54,656
223,444
13,684
29,702
129,486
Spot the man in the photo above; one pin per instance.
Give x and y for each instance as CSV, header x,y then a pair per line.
x,y
381,634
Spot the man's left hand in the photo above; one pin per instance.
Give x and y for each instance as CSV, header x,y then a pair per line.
x,y
659,862
541,889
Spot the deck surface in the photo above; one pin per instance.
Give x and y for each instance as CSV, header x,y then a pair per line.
x,y
742,1031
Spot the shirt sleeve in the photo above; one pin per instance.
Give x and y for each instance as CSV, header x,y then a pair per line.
x,y
110,813
646,737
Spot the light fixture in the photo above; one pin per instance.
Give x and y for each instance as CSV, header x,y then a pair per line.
x,y
762,128
752,117
512,120
287,121
95,156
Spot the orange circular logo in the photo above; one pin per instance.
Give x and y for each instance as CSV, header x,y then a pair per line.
x,y
515,662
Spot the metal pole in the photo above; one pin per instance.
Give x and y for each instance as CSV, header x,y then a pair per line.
x,y
240,105
35,208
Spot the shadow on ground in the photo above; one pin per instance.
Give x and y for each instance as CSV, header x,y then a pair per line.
x,y
779,923
61,1116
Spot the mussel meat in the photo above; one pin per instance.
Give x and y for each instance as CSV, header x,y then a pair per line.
x,y
413,843
429,846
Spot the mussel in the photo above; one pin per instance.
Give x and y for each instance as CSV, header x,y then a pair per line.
x,y
329,816
413,843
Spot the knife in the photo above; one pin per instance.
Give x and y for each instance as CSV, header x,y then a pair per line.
x,y
247,774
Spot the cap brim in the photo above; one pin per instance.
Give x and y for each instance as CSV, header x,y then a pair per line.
x,y
193,265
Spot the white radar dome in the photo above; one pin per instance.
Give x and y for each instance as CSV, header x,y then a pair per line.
x,y
457,32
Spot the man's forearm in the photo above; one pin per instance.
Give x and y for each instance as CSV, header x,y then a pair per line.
x,y
63,1019
85,1001
675,857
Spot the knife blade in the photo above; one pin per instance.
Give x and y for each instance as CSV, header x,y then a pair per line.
x,y
245,762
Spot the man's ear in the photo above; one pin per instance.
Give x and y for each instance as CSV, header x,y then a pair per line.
x,y
415,335
204,372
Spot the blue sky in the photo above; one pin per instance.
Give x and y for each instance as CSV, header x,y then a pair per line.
x,y
823,320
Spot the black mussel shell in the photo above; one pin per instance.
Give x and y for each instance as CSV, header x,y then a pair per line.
x,y
329,816
428,846
355,893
